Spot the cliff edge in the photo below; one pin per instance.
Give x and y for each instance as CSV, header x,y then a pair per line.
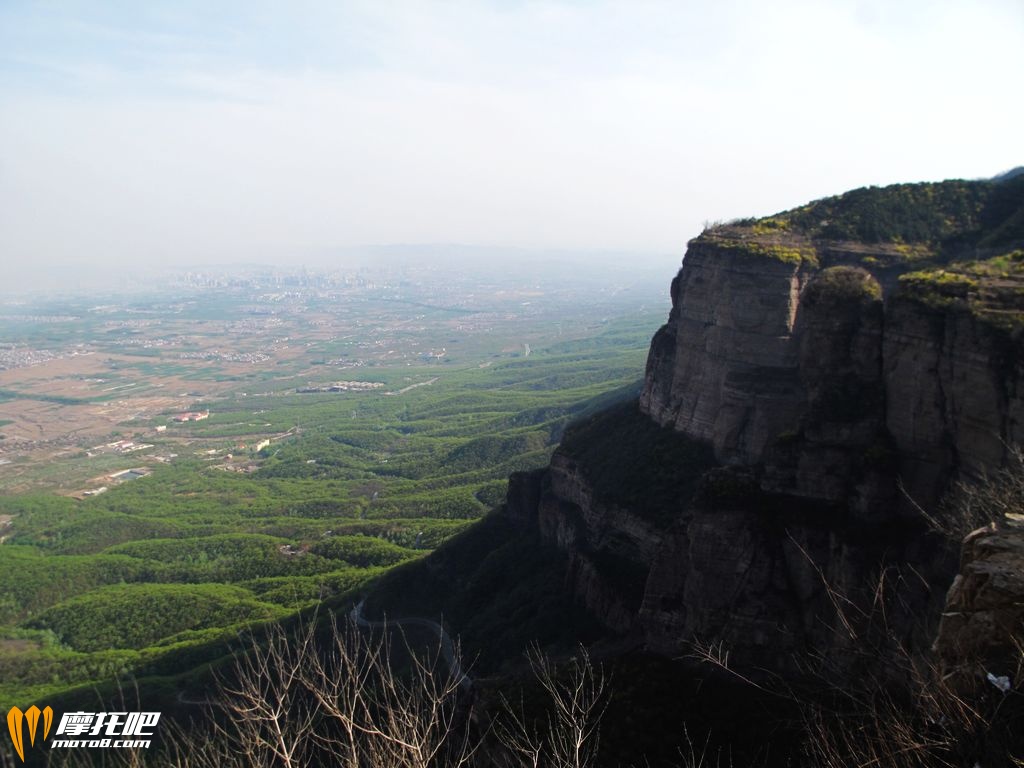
x,y
825,377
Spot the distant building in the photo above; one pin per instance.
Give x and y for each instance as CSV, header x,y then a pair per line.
x,y
192,416
261,445
129,474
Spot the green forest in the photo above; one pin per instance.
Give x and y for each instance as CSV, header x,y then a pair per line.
x,y
160,574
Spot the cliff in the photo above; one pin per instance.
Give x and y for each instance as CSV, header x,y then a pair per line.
x,y
815,365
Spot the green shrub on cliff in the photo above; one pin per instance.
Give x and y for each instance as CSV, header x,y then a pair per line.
x,y
844,284
952,213
910,213
788,252
1006,265
991,290
937,285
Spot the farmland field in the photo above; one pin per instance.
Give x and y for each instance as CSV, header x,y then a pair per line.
x,y
336,428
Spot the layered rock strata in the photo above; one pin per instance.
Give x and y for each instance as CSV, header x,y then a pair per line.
x,y
842,390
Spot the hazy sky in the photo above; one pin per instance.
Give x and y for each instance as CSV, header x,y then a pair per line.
x,y
190,132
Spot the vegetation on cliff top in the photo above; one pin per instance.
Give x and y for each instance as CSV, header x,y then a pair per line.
x,y
947,213
990,289
844,284
910,213
787,250
963,239
931,219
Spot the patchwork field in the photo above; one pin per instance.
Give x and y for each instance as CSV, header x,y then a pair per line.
x,y
339,434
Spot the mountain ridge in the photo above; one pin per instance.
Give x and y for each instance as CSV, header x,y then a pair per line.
x,y
821,392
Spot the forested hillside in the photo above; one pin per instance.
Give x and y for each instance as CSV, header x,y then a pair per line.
x,y
159,574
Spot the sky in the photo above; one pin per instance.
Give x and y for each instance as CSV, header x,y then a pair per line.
x,y
192,132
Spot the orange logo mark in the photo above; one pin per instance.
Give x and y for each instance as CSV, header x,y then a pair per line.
x,y
31,716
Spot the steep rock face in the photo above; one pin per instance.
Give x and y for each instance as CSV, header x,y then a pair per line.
x,y
954,392
827,451
866,394
730,338
799,368
608,544
822,376
769,578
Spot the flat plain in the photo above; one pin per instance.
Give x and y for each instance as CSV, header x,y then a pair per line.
x,y
180,464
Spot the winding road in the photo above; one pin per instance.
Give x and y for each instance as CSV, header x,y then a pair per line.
x,y
447,646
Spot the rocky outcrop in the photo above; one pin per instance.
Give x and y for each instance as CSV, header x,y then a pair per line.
x,y
824,375
731,340
800,366
982,625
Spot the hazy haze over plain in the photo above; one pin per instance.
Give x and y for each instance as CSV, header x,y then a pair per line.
x,y
163,133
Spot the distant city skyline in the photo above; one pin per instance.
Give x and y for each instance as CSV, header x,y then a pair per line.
x,y
144,134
